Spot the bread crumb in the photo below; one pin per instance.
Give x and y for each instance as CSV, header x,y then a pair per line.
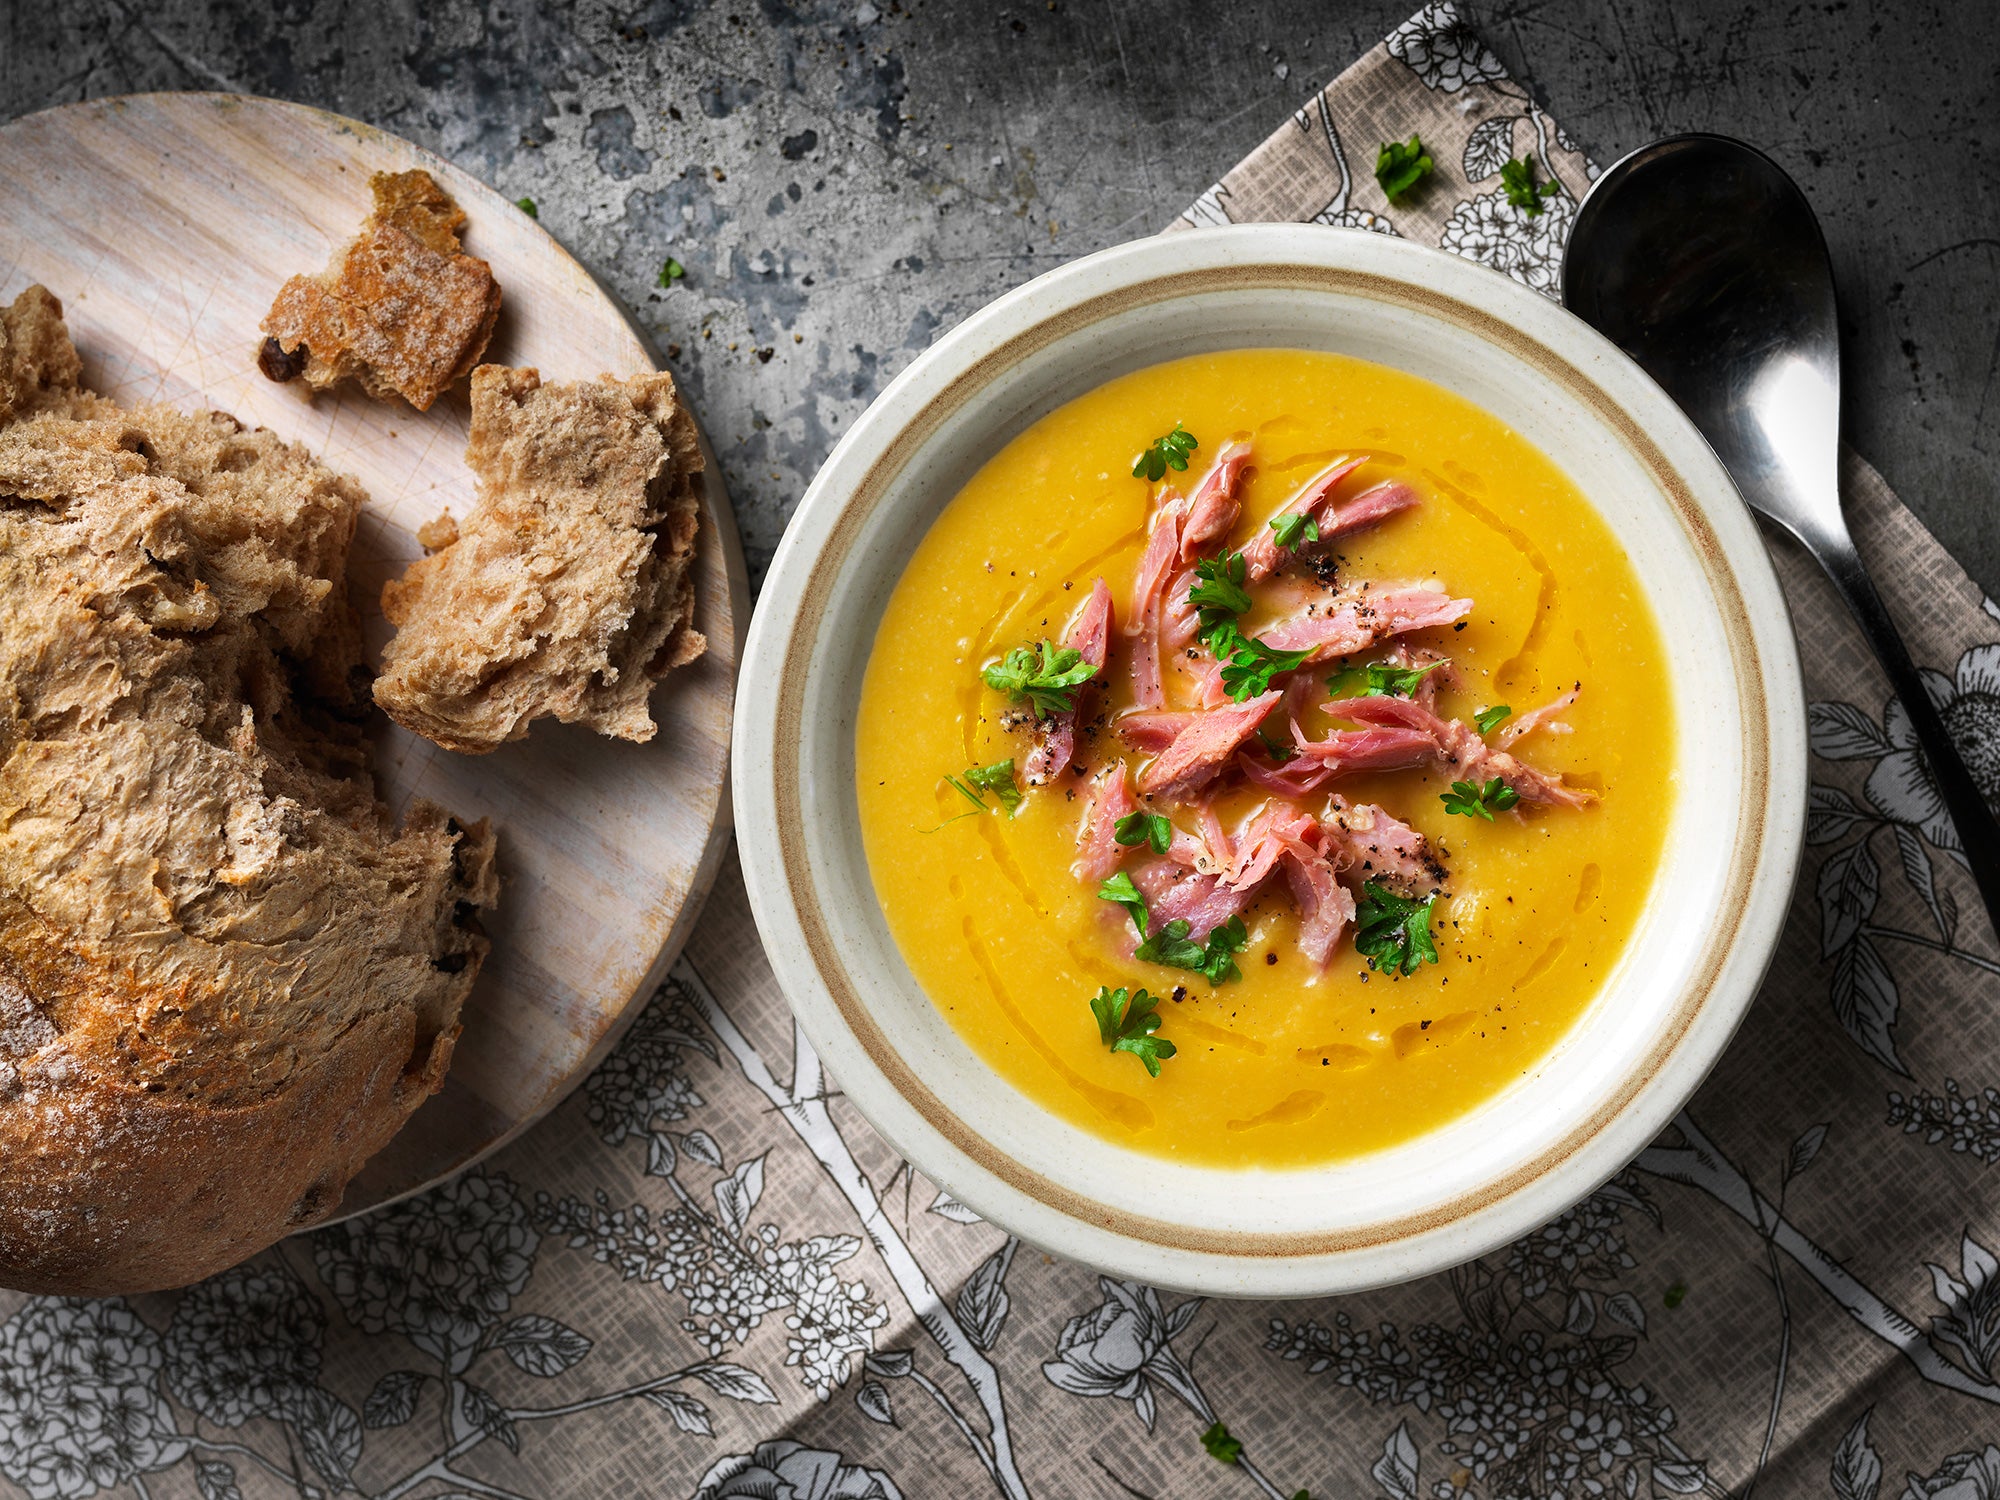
x,y
438,533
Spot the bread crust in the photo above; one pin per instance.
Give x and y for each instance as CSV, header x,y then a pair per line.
x,y
226,976
568,592
401,309
112,1182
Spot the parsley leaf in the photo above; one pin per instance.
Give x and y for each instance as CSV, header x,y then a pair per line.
x,y
1171,946
1047,679
967,793
1399,168
1279,751
1127,1021
1221,1445
1378,680
1349,682
998,779
1489,718
670,272
1219,596
1151,828
527,206
1295,530
1119,888
1675,1295
1476,801
1164,453
1518,178
1393,932
1248,665
1224,943
960,784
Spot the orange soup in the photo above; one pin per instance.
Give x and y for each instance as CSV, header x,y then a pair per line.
x,y
1371,898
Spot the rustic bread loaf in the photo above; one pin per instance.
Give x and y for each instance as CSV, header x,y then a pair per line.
x,y
402,309
226,977
569,590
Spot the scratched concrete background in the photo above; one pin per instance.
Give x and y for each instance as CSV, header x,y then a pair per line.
x,y
843,178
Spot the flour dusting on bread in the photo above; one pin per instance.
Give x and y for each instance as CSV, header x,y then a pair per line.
x,y
568,591
227,975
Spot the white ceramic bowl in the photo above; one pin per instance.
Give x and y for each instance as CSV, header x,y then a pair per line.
x,y
1665,1012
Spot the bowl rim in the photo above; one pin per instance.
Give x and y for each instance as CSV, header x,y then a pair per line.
x,y
820,540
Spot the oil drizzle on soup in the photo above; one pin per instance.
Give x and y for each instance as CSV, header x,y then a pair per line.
x,y
1476,574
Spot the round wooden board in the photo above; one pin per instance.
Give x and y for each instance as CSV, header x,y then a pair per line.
x,y
166,224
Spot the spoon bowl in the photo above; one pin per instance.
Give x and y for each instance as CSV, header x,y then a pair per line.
x,y
1700,258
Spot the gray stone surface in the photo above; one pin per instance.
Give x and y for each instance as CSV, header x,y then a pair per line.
x,y
842,180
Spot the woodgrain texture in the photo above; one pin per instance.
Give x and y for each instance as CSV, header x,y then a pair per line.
x,y
166,223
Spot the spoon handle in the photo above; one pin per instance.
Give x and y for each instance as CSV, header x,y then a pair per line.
x,y
1978,832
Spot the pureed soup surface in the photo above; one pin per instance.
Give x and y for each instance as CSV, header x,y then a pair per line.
x,y
1289,1063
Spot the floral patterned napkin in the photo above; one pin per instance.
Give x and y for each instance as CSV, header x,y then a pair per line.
x,y
704,1275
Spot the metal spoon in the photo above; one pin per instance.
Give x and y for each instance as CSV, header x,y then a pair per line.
x,y
1702,260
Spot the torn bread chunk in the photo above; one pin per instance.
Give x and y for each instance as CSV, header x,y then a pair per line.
x,y
402,309
228,974
569,589
39,367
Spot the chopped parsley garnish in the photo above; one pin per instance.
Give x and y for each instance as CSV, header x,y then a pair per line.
x,y
1119,888
1219,596
1164,453
967,793
1489,718
1294,530
1518,178
1393,932
1278,750
1046,675
1151,828
1218,963
527,206
1675,1295
997,778
1378,680
1170,945
670,272
1221,1445
1401,167
1248,665
1475,801
1349,682
1127,1021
